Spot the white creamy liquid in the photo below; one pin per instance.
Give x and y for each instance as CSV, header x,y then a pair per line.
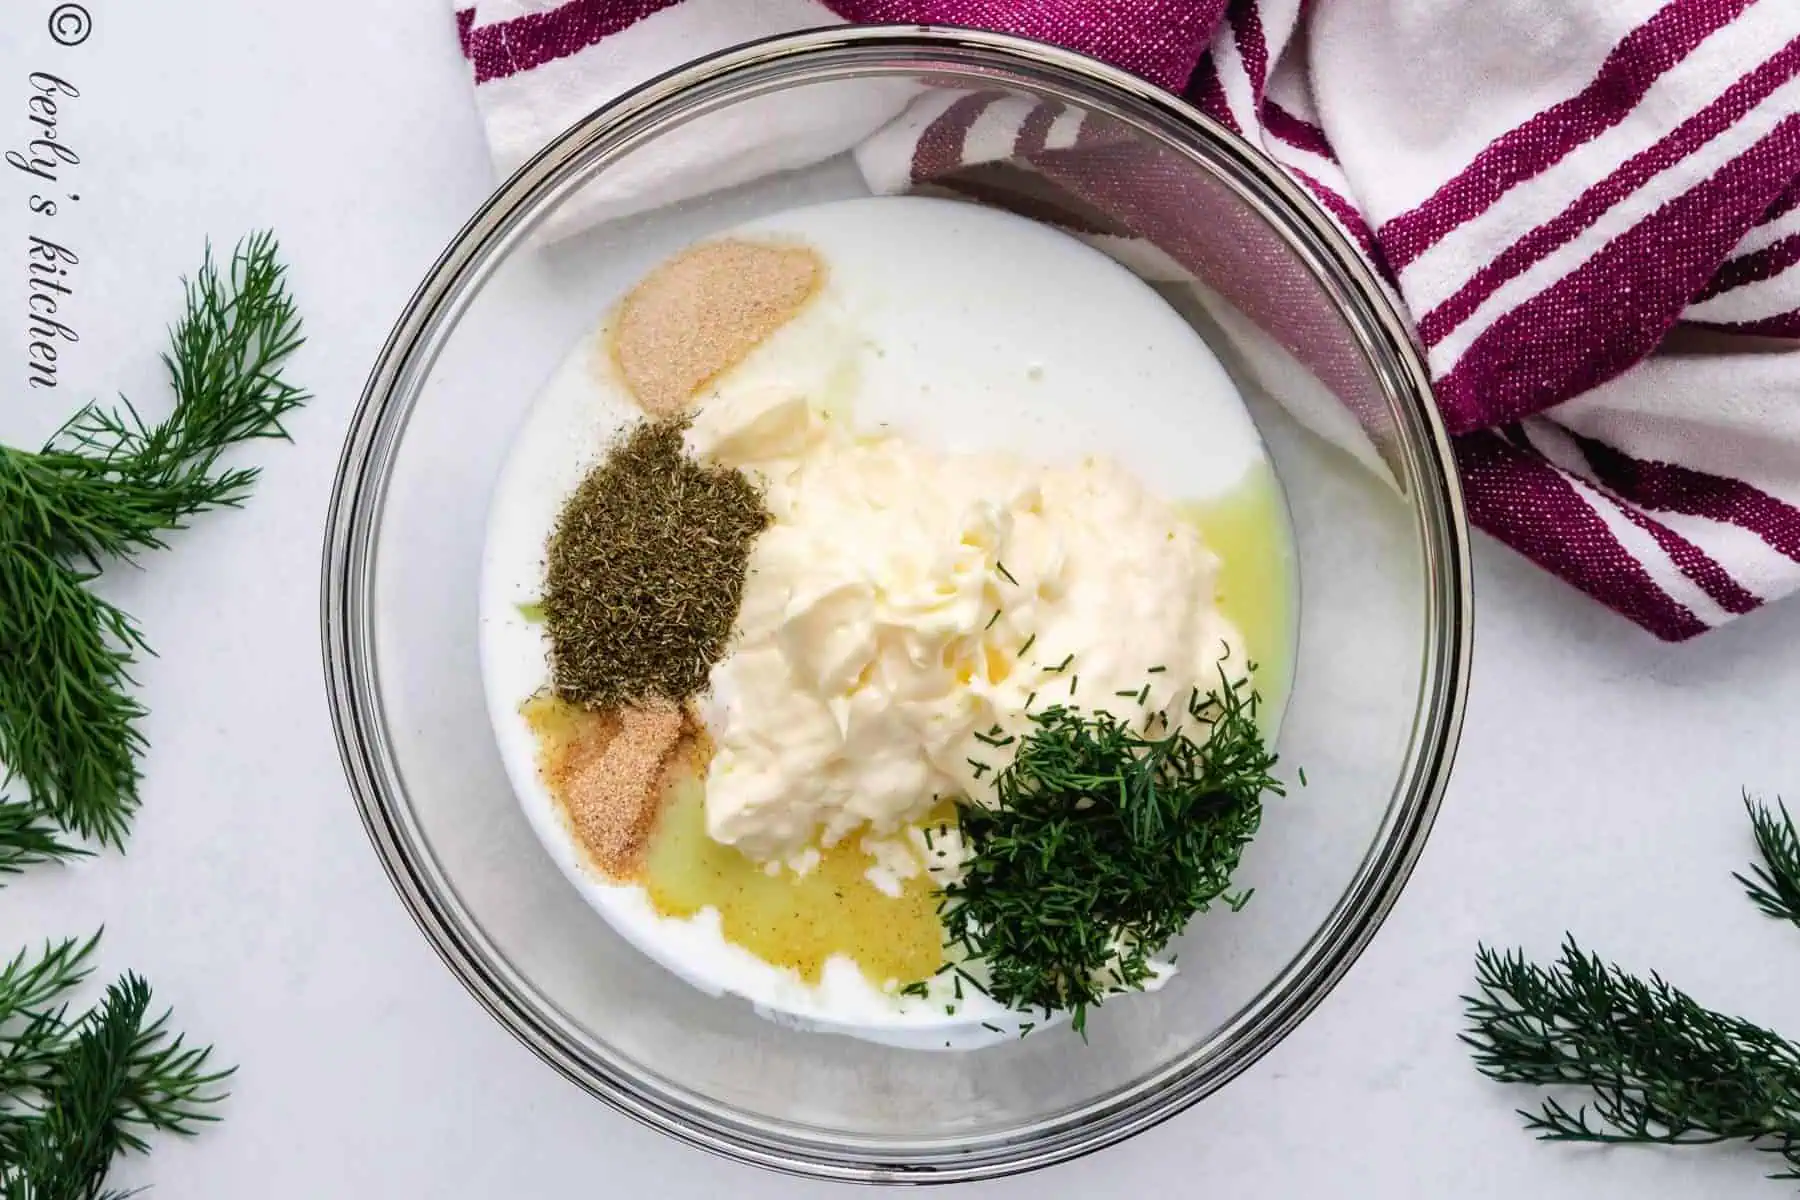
x,y
959,328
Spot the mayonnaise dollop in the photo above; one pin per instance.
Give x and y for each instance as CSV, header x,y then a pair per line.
x,y
906,606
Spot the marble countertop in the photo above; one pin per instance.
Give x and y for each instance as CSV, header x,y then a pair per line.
x,y
1597,788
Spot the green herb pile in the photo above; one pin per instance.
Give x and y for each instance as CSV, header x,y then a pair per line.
x,y
645,572
1659,1067
77,1089
1101,843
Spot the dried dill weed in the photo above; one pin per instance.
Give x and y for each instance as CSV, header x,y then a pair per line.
x,y
645,572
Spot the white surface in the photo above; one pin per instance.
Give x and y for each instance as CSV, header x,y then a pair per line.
x,y
1597,788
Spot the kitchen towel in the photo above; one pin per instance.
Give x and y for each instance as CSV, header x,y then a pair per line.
x,y
1590,209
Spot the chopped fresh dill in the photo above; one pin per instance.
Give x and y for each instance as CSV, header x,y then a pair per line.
x,y
1156,670
981,768
991,621
1074,682
917,988
1028,701
991,1026
990,740
1143,693
929,845
962,973
1301,772
1101,844
1004,573
1064,664
1029,643
956,985
1236,902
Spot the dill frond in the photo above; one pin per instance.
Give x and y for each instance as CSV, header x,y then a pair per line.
x,y
76,1093
109,485
1774,886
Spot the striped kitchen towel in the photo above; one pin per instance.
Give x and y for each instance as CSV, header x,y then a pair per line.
x,y
1591,209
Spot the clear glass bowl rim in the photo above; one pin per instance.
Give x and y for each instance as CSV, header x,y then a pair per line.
x,y
405,361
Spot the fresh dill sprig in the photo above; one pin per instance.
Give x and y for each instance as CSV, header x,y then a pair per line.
x,y
74,1093
108,485
1661,1068
1774,886
1101,844
27,838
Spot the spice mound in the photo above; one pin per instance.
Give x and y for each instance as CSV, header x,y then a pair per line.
x,y
645,571
610,770
699,314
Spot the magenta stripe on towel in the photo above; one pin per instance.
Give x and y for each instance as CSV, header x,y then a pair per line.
x,y
940,148
1035,129
1208,94
1766,263
1789,201
1685,139
465,21
1160,40
509,47
1296,132
1342,209
1670,487
1515,494
1695,563
1612,310
1253,48
1634,64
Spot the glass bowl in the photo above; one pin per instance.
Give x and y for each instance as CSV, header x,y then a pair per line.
x,y
1338,393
